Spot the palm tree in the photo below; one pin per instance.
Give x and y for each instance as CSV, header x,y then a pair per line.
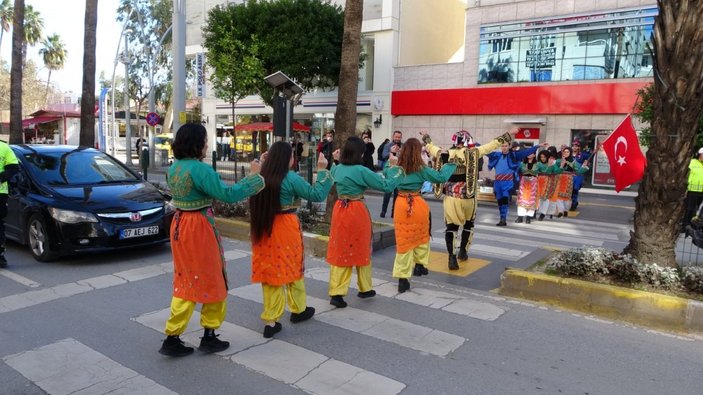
x,y
16,133
677,106
54,55
87,134
33,25
5,17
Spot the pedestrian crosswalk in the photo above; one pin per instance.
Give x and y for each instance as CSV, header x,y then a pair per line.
x,y
68,366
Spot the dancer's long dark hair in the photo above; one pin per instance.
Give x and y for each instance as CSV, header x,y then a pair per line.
x,y
266,204
353,151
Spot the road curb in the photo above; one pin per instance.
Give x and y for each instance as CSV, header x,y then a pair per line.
x,y
640,307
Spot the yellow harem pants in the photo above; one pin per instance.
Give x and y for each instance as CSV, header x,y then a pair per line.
x,y
340,277
211,315
275,298
405,262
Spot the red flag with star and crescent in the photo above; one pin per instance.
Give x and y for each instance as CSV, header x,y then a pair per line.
x,y
626,160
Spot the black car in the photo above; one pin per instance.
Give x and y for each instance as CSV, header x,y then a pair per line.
x,y
68,199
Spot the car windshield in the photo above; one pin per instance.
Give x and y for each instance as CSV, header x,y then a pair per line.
x,y
76,167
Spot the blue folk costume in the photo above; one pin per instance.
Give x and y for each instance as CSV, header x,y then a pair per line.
x,y
578,179
506,165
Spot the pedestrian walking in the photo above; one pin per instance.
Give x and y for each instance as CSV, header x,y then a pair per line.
x,y
9,166
199,266
412,223
694,189
277,240
392,148
367,159
350,233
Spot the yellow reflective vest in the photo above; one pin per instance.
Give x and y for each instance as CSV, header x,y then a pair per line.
x,y
695,176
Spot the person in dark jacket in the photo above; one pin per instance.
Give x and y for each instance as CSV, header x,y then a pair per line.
x,y
367,158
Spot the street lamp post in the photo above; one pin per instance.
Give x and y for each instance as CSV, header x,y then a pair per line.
x,y
127,116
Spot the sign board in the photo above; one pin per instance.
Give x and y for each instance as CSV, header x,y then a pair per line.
x,y
182,118
601,167
527,134
152,119
541,57
200,74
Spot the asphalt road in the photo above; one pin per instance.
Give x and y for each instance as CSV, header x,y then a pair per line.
x,y
92,325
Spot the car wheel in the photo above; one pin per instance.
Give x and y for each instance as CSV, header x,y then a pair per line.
x,y
38,239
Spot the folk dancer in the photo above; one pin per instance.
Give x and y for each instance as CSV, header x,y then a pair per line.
x,y
566,168
350,234
277,239
199,274
412,223
527,190
546,185
460,191
581,158
505,163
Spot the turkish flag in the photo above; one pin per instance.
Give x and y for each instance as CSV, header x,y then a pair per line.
x,y
626,160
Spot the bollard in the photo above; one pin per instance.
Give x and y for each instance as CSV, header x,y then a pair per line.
x,y
214,160
145,163
243,172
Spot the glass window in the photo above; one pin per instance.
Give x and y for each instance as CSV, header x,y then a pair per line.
x,y
76,168
599,46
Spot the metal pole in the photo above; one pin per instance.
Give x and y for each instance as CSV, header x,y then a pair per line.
x,y
179,41
287,119
127,115
152,104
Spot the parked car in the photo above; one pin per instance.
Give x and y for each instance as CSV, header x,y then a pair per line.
x,y
68,199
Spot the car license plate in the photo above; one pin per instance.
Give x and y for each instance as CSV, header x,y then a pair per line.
x,y
139,232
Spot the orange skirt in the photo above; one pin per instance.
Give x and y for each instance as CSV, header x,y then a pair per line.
x,y
350,234
412,222
565,186
278,259
198,262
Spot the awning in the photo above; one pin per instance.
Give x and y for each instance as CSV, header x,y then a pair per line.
x,y
31,122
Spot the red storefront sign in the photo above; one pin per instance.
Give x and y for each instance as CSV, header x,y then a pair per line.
x,y
527,134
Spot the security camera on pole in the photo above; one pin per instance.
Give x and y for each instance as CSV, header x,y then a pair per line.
x,y
282,106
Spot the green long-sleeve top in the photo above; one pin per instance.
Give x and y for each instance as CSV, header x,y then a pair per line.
x,y
413,181
294,187
570,166
354,180
194,185
537,168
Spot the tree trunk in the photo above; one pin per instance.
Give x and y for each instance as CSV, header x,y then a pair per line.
x,y
46,94
87,134
677,104
345,117
16,132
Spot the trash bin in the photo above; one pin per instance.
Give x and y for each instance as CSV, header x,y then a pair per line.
x,y
161,157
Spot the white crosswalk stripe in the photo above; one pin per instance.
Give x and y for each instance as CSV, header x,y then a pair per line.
x,y
421,296
378,326
296,366
19,278
70,367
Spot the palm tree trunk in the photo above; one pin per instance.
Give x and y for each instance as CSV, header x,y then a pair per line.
x,y
87,133
16,132
46,94
345,117
678,105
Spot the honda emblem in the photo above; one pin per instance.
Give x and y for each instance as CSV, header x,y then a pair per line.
x,y
135,217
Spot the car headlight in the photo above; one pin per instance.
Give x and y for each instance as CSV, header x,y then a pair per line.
x,y
71,217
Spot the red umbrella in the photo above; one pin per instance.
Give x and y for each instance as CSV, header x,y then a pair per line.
x,y
268,126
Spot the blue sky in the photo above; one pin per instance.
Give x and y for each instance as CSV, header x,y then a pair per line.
x,y
65,18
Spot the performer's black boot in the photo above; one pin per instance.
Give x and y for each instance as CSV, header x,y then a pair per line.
x,y
541,217
466,236
528,219
403,285
453,264
173,347
210,343
502,222
338,301
519,220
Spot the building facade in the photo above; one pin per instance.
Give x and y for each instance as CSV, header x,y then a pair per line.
x,y
562,70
